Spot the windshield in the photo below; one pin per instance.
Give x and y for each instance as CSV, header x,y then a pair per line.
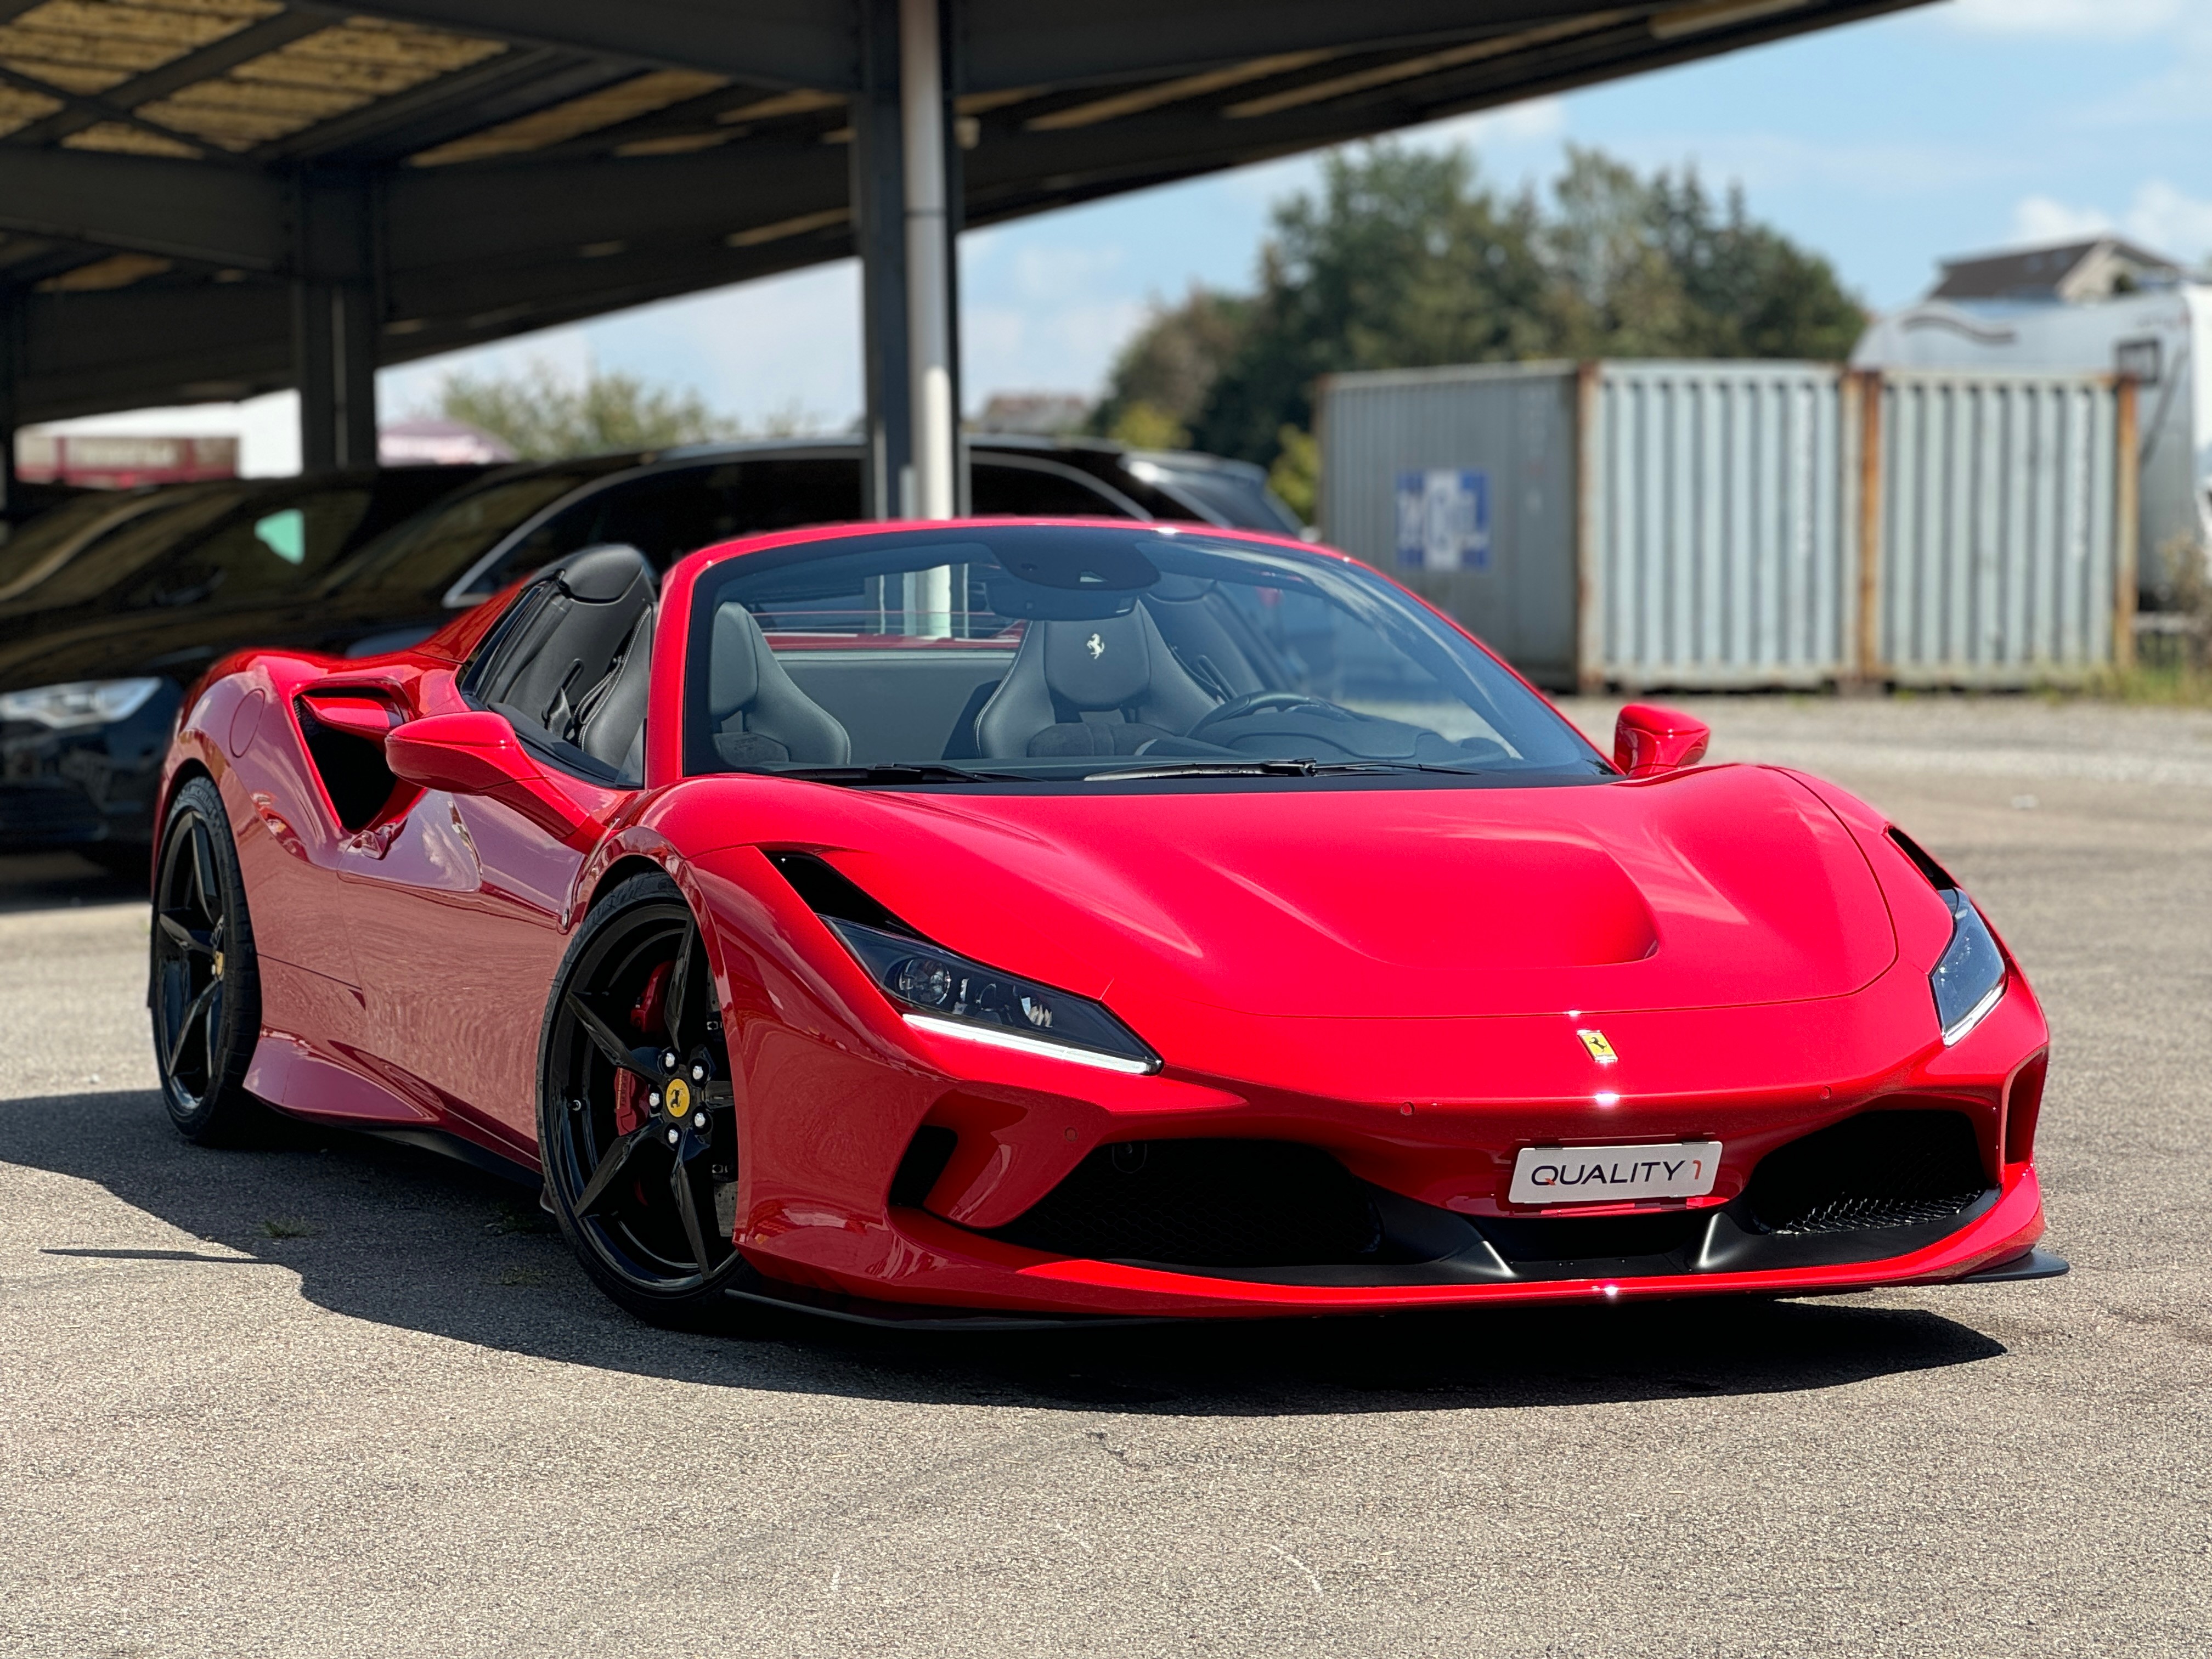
x,y
1036,653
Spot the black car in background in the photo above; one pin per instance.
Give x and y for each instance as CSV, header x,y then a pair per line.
x,y
87,701
114,601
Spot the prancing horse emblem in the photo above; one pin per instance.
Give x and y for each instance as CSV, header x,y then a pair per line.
x,y
1096,647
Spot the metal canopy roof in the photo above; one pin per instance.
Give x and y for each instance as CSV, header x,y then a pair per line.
x,y
167,167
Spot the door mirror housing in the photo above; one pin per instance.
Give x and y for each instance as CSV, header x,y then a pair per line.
x,y
478,754
1647,740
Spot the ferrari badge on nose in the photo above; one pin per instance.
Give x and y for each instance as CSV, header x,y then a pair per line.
x,y
1599,1049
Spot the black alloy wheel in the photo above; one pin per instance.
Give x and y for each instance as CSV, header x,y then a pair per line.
x,y
204,990
637,1118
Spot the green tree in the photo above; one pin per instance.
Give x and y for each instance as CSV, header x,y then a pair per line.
x,y
1655,269
1404,261
1407,259
546,415
1160,379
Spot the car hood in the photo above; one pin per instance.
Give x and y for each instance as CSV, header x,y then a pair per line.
x,y
1724,885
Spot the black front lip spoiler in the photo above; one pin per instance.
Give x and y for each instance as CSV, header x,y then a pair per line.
x,y
2031,1264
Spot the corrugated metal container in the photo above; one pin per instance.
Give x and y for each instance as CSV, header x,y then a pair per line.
x,y
2000,558
1514,424
1748,524
1723,502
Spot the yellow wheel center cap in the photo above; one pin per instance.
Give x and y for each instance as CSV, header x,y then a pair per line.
x,y
677,1096
218,964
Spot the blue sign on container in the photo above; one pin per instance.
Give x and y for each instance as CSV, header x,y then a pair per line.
x,y
1444,519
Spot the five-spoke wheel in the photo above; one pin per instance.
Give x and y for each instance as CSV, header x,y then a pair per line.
x,y
636,1120
205,992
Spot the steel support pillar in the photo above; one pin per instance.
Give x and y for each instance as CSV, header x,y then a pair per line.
x,y
334,322
13,339
906,216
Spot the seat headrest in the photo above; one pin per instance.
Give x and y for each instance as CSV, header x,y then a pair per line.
x,y
1103,663
601,575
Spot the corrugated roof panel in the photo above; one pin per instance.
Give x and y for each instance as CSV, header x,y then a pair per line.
x,y
608,106
117,270
119,137
311,79
18,109
91,46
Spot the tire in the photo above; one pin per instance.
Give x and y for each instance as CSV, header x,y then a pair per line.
x,y
644,1194
204,990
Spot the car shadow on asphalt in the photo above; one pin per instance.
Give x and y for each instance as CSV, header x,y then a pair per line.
x,y
405,1238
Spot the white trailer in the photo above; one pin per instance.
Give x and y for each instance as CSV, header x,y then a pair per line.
x,y
2161,336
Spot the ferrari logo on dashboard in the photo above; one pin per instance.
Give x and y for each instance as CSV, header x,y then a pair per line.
x,y
1599,1049
1096,647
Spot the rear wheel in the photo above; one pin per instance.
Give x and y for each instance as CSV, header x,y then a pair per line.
x,y
636,1121
205,994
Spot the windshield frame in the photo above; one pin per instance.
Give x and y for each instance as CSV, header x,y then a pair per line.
x,y
697,589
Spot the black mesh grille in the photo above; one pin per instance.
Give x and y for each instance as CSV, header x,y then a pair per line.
x,y
1204,1203
1877,1169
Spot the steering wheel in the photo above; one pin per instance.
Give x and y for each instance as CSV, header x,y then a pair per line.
x,y
1252,702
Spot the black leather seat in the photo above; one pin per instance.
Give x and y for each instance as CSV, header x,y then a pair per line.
x,y
1104,685
761,717
577,666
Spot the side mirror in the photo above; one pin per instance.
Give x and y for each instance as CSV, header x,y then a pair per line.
x,y
478,754
1648,740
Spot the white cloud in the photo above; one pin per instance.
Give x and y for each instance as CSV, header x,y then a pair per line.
x,y
2046,219
1537,121
2161,217
2170,222
2101,20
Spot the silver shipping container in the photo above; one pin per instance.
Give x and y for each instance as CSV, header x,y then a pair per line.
x,y
2000,495
1747,523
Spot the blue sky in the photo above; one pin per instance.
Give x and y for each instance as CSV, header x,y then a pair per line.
x,y
1885,145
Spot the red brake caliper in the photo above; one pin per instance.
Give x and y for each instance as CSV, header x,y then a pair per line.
x,y
645,1019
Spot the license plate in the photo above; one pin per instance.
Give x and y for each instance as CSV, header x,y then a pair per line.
x,y
1614,1175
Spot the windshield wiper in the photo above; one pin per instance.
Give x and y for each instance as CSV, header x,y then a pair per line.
x,y
896,772
1278,769
1209,768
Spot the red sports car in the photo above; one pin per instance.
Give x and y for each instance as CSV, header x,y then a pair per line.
x,y
996,921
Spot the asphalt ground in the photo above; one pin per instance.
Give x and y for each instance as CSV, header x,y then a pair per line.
x,y
326,1398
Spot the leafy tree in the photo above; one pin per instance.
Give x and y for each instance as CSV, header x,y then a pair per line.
x,y
1160,381
546,415
1655,269
1404,261
1407,259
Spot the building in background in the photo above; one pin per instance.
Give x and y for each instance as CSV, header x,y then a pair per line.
x,y
118,461
433,440
1036,414
2098,307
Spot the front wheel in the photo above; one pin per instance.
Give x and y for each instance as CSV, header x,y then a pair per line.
x,y
206,989
636,1120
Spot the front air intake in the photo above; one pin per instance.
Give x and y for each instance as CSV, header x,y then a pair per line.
x,y
1204,1204
1877,1169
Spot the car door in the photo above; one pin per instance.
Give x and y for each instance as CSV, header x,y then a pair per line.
x,y
460,914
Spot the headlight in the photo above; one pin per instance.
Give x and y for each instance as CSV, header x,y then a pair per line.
x,y
938,992
1970,977
80,703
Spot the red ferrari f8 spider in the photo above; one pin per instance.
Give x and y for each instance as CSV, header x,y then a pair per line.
x,y
1049,920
